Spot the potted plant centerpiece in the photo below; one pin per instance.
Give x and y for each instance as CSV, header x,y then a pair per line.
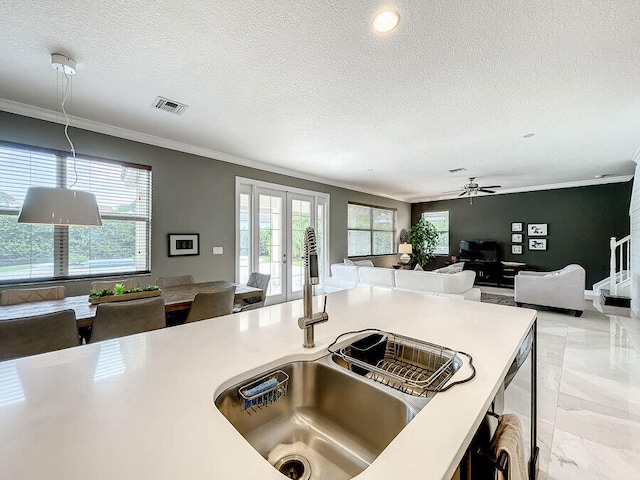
x,y
119,294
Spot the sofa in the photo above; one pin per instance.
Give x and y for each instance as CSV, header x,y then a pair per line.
x,y
562,288
455,285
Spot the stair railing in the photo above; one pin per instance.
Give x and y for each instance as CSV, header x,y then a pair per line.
x,y
620,261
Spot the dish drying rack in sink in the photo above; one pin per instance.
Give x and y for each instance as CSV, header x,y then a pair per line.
x,y
412,366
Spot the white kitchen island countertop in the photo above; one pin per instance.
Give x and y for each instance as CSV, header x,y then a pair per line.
x,y
142,406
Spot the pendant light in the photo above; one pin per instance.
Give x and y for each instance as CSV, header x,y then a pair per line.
x,y
61,206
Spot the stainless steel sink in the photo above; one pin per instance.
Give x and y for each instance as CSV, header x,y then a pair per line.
x,y
324,423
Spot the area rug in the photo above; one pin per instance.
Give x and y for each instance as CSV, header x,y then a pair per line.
x,y
497,299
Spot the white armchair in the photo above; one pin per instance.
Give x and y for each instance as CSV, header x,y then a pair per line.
x,y
561,288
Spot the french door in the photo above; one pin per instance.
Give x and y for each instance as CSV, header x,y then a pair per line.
x,y
272,220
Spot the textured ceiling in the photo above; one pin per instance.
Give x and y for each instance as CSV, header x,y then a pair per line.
x,y
308,88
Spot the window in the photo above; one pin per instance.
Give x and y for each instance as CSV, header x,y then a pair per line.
x,y
371,230
45,252
440,220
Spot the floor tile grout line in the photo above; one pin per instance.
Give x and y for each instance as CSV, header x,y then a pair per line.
x,y
555,414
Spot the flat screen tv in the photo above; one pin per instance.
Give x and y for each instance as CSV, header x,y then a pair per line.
x,y
479,250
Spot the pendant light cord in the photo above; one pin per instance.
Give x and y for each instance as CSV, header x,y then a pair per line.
x,y
66,127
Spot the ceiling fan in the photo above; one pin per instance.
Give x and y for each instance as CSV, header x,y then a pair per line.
x,y
472,188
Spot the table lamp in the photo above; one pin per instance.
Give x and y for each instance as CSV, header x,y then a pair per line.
x,y
405,249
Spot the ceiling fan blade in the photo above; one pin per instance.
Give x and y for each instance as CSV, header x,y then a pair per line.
x,y
486,191
463,193
491,186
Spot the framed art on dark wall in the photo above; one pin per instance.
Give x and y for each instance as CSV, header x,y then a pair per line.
x,y
537,244
516,238
516,249
516,226
182,244
537,229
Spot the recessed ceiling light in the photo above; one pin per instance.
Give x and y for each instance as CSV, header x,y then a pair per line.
x,y
528,135
386,20
602,175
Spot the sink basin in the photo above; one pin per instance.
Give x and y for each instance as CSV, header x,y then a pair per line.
x,y
330,424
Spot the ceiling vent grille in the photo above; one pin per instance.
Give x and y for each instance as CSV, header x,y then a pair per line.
x,y
170,106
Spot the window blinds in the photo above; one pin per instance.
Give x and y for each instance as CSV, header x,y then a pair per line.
x,y
370,230
42,252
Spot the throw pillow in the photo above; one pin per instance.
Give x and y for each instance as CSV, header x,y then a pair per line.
x,y
348,262
450,269
363,263
418,268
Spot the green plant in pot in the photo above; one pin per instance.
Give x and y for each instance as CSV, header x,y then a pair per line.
x,y
424,239
118,289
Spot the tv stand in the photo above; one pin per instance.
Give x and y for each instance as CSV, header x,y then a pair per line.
x,y
489,273
483,257
509,272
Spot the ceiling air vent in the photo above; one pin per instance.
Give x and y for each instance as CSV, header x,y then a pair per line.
x,y
170,106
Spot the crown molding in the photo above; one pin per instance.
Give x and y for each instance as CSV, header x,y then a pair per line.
x,y
534,188
106,129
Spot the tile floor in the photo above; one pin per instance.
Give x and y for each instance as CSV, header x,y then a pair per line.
x,y
588,395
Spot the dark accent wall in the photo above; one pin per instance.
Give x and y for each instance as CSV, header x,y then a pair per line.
x,y
580,222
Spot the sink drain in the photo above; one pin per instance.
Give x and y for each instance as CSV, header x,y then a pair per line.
x,y
294,466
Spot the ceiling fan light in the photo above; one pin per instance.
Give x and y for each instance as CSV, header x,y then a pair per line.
x,y
60,206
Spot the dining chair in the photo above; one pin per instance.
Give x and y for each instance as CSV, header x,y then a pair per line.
x,y
128,283
163,282
180,316
26,295
257,280
118,319
25,336
211,305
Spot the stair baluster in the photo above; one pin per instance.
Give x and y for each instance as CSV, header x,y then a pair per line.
x,y
620,264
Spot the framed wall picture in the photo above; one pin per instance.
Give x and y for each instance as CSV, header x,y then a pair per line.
x,y
516,238
537,229
537,244
516,226
182,244
516,249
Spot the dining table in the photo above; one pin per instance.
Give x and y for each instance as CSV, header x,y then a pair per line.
x,y
178,297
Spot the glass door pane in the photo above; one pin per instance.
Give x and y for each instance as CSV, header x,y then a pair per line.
x,y
300,217
244,251
271,240
320,234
